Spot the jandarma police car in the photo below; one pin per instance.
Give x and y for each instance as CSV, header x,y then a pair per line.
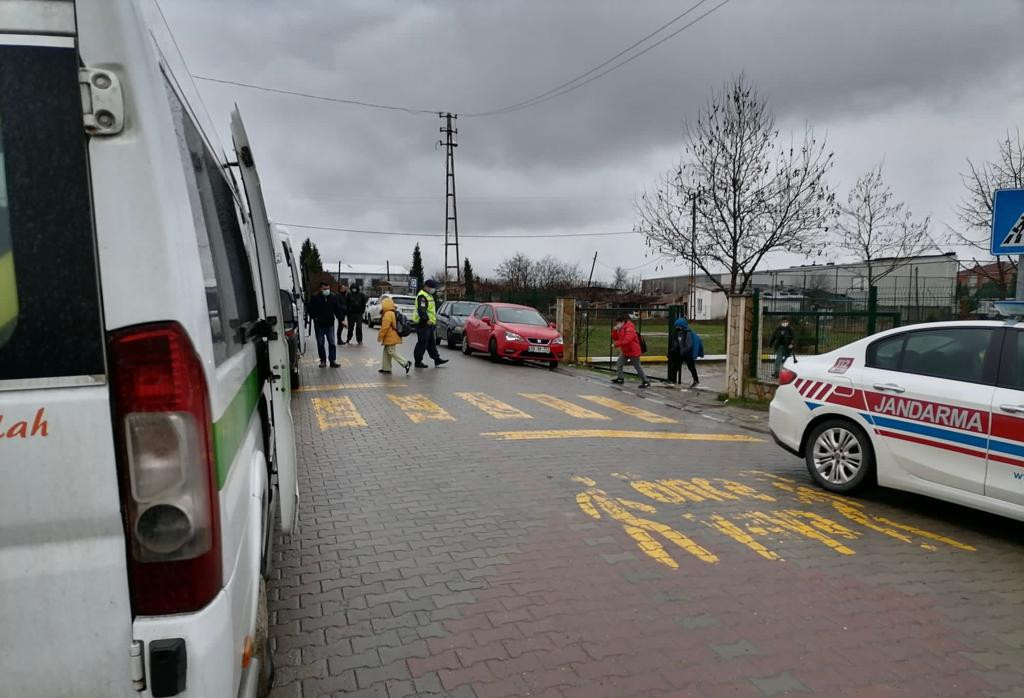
x,y
936,409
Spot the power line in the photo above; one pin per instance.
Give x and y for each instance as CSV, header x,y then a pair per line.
x,y
340,100
538,100
560,90
598,67
441,235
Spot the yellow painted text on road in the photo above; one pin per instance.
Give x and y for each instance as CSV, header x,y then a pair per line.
x,y
346,386
337,412
419,408
632,411
561,405
492,406
614,434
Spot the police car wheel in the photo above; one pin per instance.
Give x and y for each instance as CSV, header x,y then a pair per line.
x,y
839,456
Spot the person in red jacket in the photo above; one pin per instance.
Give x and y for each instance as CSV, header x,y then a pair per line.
x,y
624,336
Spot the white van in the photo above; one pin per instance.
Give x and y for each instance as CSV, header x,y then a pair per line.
x,y
293,301
145,426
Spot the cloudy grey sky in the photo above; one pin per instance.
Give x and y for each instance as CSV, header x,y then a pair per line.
x,y
921,83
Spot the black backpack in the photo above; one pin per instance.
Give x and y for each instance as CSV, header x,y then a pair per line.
x,y
402,325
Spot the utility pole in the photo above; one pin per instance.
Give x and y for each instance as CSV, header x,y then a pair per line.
x,y
691,300
591,277
451,215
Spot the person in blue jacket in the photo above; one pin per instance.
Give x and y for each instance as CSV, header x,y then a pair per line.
x,y
684,346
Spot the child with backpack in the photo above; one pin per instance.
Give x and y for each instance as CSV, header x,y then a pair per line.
x,y
684,346
393,326
631,347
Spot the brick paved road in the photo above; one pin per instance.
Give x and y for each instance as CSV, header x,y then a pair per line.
x,y
442,551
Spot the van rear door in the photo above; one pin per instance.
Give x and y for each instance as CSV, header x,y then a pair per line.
x,y
65,614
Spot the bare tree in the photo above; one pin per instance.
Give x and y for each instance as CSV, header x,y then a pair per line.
x,y
621,281
551,273
975,209
516,272
754,194
879,231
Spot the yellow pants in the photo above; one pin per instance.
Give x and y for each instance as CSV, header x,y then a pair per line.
x,y
391,353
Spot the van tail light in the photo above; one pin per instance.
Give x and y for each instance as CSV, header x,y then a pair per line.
x,y
166,467
786,376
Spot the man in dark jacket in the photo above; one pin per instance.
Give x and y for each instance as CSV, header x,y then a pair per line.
x,y
343,306
355,306
323,308
781,341
681,348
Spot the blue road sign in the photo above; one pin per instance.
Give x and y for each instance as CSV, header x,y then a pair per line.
x,y
1008,221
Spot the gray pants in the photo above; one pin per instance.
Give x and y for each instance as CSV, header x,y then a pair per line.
x,y
635,361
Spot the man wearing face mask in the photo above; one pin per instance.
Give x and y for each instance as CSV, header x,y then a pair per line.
x,y
324,307
782,341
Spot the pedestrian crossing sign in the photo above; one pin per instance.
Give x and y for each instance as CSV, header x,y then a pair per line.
x,y
1008,222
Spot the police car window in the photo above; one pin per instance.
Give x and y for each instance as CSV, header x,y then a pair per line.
x,y
50,324
885,353
955,353
1011,372
230,296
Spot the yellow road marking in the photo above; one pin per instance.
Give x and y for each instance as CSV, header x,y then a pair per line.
x,y
419,408
723,525
926,534
629,409
564,406
782,520
492,406
346,386
616,434
371,362
336,412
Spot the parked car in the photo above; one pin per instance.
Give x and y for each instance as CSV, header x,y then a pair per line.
x,y
451,320
507,331
936,409
370,302
148,432
404,305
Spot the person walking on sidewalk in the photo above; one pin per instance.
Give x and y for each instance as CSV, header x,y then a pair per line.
x,y
355,306
782,341
343,304
389,338
324,308
424,317
624,336
682,348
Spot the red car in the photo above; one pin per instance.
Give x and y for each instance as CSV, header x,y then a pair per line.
x,y
509,331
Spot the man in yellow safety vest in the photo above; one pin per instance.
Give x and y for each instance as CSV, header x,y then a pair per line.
x,y
424,317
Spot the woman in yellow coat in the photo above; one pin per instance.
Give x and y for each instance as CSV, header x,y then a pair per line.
x,y
388,336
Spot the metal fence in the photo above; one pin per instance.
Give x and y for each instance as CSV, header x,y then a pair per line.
x,y
594,332
824,322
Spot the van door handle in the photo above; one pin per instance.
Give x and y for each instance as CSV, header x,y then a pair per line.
x,y
888,388
1012,409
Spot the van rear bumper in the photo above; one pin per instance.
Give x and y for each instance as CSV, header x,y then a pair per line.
x,y
213,662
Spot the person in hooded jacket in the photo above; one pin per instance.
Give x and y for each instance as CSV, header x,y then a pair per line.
x,y
682,348
388,336
624,337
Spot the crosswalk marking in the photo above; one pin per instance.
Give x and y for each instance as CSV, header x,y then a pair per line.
x,y
346,386
615,434
419,408
564,406
336,412
630,410
492,406
371,362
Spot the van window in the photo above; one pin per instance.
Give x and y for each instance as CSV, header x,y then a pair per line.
x,y
227,276
50,324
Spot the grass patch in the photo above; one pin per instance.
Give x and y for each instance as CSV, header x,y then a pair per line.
x,y
745,402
